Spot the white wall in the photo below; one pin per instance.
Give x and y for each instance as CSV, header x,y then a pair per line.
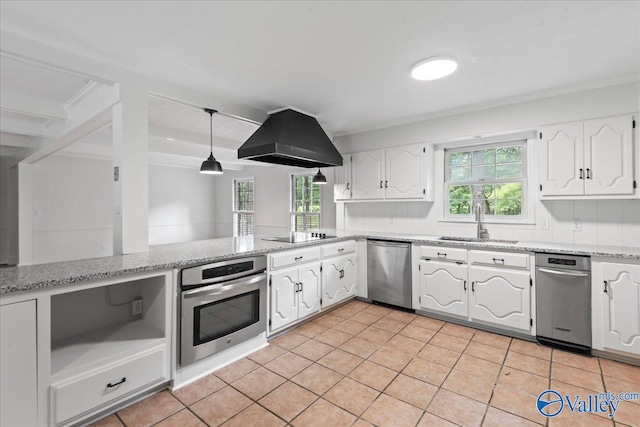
x,y
181,205
272,199
604,222
73,205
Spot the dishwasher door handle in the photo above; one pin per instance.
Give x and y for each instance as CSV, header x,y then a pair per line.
x,y
562,273
390,244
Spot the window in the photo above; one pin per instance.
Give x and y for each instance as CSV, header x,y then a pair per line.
x,y
305,204
243,206
494,176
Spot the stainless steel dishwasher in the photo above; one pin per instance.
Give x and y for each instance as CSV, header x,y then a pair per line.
x,y
563,301
389,272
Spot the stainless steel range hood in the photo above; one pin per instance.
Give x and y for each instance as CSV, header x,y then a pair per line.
x,y
291,138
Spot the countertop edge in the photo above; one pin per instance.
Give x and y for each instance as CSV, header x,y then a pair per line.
x,y
531,247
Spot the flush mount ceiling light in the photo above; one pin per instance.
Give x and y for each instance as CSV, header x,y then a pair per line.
x,y
211,165
319,178
434,68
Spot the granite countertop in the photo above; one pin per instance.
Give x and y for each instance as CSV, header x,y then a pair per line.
x,y
178,255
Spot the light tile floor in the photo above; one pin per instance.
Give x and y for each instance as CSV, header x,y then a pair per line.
x,y
366,365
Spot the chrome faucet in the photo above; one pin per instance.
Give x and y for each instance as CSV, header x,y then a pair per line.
x,y
483,233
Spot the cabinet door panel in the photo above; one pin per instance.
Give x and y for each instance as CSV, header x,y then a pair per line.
x,y
348,281
368,175
284,305
309,296
405,172
500,296
609,156
331,282
561,158
621,307
342,185
18,382
442,287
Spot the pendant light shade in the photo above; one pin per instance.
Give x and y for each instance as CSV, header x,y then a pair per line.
x,y
319,178
211,166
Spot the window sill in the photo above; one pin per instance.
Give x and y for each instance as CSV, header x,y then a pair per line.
x,y
487,221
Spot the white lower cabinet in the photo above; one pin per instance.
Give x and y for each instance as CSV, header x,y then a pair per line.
x,y
485,286
87,392
339,279
295,294
618,288
443,287
500,296
18,364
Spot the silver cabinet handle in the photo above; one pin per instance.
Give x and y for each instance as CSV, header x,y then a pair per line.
x,y
473,286
581,174
464,285
588,173
380,184
386,184
562,273
605,287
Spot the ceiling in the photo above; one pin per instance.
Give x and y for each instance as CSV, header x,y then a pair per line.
x,y
348,62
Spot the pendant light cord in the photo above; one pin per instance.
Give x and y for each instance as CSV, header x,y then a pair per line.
x,y
211,113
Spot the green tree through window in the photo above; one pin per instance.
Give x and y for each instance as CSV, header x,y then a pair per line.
x,y
492,176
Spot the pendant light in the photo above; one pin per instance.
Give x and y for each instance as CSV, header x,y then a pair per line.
x,y
319,178
211,165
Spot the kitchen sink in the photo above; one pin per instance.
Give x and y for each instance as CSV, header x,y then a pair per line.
x,y
476,239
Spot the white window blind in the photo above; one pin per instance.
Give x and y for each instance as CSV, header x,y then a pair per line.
x,y
305,204
243,207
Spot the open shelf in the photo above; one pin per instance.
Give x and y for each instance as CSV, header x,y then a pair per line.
x,y
96,348
94,327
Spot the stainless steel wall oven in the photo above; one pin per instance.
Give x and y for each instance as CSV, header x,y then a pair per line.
x,y
222,304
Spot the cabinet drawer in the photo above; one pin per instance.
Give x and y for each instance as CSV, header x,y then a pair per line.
x,y
83,393
443,253
340,248
500,259
299,256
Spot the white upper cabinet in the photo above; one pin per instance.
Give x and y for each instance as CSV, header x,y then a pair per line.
x,y
405,172
342,186
399,173
608,154
562,160
368,175
586,159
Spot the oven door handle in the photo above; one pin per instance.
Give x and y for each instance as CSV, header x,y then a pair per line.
x,y
220,288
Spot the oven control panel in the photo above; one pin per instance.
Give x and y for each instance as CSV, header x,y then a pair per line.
x,y
227,270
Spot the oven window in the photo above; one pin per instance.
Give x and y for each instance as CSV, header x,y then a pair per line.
x,y
220,318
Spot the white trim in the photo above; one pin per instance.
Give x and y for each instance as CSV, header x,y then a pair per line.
x,y
86,90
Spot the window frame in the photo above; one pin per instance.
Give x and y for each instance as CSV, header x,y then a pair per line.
x,y
527,192
292,199
236,213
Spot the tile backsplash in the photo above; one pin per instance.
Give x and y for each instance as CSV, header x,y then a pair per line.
x,y
602,222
